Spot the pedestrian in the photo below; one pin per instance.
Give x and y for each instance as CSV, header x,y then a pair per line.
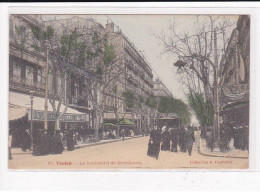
x,y
210,139
123,134
45,143
131,133
154,143
37,142
189,139
182,139
57,146
70,141
25,140
174,134
165,139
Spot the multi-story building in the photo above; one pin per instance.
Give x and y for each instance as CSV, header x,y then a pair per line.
x,y
86,28
160,89
27,63
235,78
136,77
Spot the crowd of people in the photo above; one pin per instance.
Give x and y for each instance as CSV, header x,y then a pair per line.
x,y
240,136
166,138
49,142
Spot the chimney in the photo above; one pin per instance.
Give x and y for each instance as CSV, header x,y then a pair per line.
x,y
110,27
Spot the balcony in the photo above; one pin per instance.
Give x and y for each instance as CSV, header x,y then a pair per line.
x,y
78,101
26,82
240,88
129,64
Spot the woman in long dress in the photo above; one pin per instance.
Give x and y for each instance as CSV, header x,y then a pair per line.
x,y
154,143
165,139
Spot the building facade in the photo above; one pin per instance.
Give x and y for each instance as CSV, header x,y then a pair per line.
x,y
235,79
160,89
136,79
27,70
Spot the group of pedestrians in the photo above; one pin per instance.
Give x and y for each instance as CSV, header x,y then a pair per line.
x,y
166,138
45,142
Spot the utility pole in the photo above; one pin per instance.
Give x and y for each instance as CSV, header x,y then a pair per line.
x,y
216,97
46,90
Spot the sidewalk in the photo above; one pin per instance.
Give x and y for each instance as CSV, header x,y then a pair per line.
x,y
19,151
233,153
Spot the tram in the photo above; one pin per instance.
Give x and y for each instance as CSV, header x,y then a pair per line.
x,y
171,122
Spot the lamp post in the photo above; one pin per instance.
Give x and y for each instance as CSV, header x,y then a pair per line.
x,y
46,89
216,130
31,128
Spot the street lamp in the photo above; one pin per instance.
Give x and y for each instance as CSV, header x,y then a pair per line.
x,y
180,64
31,129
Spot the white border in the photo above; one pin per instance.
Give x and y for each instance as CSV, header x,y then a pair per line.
x,y
99,180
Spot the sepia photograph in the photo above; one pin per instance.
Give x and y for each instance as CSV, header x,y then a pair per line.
x,y
119,92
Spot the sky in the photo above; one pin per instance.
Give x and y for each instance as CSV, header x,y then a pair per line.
x,y
141,30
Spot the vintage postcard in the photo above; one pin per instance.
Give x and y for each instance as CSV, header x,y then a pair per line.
x,y
128,92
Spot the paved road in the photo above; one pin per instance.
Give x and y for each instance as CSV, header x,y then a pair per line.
x,y
130,154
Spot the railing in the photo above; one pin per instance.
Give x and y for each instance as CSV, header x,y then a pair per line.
x,y
27,82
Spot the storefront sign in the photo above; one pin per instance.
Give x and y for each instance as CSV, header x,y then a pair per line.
x,y
67,117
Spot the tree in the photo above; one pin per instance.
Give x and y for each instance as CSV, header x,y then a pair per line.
x,y
198,49
203,109
177,106
68,61
195,47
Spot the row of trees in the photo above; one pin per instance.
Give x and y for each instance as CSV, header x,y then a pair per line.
x,y
155,104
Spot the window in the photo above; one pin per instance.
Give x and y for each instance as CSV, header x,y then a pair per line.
x,y
76,90
29,74
17,70
39,75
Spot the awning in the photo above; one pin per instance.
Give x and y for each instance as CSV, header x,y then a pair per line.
x,y
108,124
125,122
24,102
16,112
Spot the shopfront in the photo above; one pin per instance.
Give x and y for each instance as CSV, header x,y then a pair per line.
x,y
21,116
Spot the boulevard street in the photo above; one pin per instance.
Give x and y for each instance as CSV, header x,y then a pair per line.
x,y
129,154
